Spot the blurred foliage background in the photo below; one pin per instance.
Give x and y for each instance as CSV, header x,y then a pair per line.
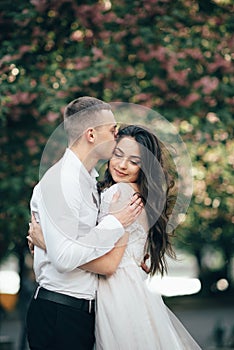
x,y
175,57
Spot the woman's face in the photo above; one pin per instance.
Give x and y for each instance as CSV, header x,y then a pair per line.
x,y
125,163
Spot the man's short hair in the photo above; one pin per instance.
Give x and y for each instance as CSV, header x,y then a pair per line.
x,y
81,114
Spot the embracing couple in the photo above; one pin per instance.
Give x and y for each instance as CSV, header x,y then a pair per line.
x,y
91,240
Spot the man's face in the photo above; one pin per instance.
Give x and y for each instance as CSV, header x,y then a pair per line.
x,y
106,134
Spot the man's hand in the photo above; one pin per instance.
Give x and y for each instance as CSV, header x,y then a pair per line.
x,y
35,235
129,212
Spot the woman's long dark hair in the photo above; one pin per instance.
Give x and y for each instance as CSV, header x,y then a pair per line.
x,y
156,186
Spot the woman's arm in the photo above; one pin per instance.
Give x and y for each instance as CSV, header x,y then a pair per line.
x,y
108,263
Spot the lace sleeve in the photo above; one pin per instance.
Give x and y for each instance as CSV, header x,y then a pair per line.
x,y
137,230
106,197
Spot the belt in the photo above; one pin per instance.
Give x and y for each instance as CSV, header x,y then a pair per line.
x,y
59,298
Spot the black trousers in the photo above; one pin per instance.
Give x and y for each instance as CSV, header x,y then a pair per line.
x,y
52,326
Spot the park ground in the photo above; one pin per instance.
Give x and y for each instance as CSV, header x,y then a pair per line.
x,y
210,320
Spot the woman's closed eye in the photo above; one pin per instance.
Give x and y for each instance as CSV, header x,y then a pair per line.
x,y
118,154
134,161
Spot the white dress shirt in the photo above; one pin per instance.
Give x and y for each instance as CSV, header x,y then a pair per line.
x,y
66,204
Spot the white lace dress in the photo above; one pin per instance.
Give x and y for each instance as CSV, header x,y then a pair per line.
x,y
129,316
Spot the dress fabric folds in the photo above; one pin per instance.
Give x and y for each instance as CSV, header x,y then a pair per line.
x,y
129,316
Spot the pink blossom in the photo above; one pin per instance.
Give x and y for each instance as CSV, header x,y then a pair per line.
x,y
77,35
212,118
212,102
62,94
25,48
130,19
9,58
22,97
118,36
30,143
144,56
105,34
119,21
98,53
160,83
179,76
82,63
111,85
110,17
230,100
144,99
39,4
195,53
130,70
159,53
208,84
52,116
37,32
219,63
206,33
189,100
96,79
150,7
142,96
137,41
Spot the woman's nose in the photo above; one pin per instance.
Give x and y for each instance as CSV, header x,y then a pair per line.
x,y
123,163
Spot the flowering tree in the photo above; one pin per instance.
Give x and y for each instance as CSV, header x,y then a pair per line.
x,y
173,56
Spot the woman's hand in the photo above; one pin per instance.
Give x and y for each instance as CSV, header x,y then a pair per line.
x,y
35,236
30,242
129,212
144,265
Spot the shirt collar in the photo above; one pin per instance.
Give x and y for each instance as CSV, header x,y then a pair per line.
x,y
78,165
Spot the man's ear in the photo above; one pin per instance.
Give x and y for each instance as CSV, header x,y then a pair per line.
x,y
90,135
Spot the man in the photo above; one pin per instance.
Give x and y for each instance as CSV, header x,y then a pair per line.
x,y
65,202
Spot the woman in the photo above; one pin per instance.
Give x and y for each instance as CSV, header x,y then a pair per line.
x,y
128,315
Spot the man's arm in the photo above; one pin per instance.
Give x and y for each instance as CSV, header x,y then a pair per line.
x,y
108,263
66,253
105,265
